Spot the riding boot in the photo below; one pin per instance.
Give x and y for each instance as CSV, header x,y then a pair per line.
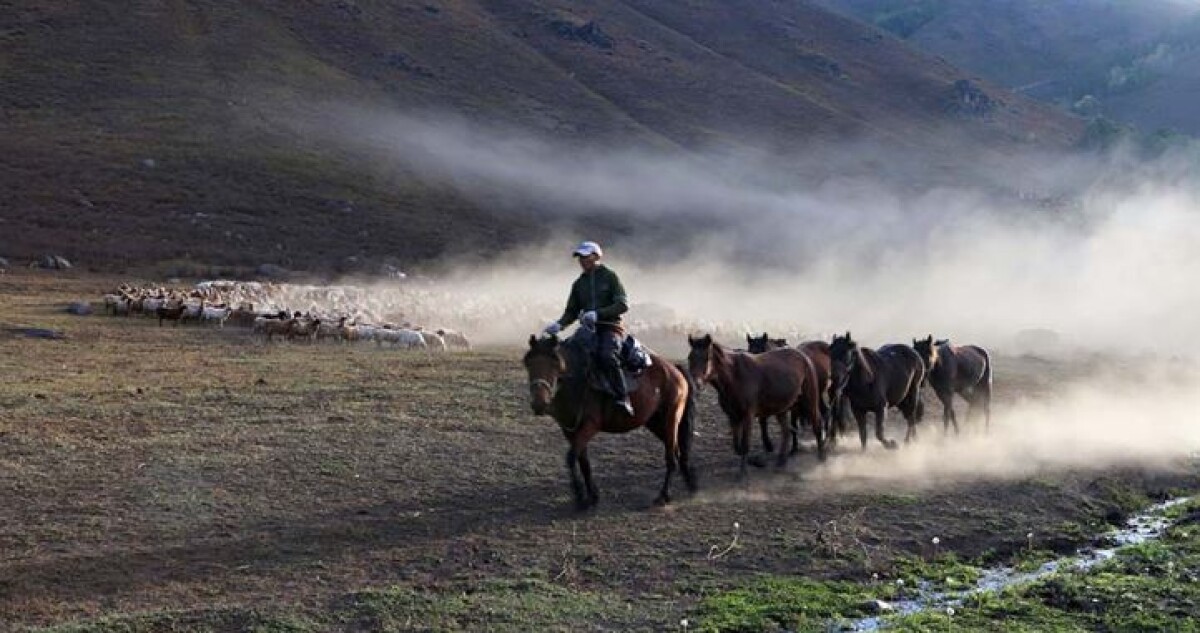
x,y
616,380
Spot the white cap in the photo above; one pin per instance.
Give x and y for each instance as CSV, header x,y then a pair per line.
x,y
588,248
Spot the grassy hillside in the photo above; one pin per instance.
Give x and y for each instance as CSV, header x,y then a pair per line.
x,y
145,131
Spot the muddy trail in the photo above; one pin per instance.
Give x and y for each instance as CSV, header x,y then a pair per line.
x,y
202,478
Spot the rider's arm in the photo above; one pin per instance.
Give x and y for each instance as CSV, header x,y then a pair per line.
x,y
619,303
572,312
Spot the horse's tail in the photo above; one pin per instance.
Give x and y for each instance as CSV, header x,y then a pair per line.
x,y
987,368
687,426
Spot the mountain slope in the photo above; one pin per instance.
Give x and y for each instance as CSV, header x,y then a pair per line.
x,y
1137,59
143,131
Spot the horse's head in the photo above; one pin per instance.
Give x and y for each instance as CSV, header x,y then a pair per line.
x,y
758,344
843,354
545,365
700,357
927,349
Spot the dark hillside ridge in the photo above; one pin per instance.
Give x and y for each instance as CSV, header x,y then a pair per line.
x,y
138,132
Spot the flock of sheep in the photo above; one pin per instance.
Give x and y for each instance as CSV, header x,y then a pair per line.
x,y
265,309
385,313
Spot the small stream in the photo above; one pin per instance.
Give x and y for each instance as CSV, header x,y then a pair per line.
x,y
1146,526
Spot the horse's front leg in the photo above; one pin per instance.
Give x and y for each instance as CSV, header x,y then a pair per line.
x,y
576,484
880,418
826,411
860,416
579,447
585,467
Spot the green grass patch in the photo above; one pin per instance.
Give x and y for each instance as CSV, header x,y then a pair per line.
x,y
1154,586
896,499
945,572
1029,560
497,605
774,603
1127,499
170,621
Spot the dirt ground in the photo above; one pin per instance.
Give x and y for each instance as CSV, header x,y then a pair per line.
x,y
201,473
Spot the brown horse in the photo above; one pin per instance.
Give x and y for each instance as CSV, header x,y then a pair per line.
x,y
965,370
818,353
773,383
873,380
560,385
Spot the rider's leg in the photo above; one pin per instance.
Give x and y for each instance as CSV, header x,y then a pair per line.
x,y
608,351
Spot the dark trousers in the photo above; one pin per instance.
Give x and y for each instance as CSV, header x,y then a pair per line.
x,y
608,358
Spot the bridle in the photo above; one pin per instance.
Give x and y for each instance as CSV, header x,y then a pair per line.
x,y
549,385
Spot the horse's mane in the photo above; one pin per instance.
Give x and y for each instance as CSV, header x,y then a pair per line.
x,y
864,362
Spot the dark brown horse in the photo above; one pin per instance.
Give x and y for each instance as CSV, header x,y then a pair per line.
x,y
818,353
965,370
874,380
560,385
774,383
764,343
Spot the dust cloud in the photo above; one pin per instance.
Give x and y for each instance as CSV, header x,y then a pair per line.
x,y
1141,416
1086,251
1041,253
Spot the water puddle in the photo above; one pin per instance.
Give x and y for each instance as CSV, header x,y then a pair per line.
x,y
1146,526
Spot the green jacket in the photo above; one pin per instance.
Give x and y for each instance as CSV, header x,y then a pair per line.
x,y
599,290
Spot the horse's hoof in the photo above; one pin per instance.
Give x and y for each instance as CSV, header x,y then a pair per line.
x,y
662,500
758,461
891,445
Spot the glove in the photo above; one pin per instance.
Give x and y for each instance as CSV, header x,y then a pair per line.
x,y
551,329
588,319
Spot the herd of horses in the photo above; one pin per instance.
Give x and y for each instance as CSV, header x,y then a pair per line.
x,y
811,385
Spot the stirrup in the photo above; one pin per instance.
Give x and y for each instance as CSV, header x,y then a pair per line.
x,y
626,406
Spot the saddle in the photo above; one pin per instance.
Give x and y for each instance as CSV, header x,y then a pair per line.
x,y
635,360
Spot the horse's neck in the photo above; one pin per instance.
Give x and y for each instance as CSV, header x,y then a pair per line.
x,y
567,400
726,380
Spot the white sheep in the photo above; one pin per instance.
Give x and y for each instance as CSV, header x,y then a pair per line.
x,y
433,341
219,315
455,339
402,337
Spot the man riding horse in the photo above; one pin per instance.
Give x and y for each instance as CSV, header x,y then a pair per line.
x,y
598,300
